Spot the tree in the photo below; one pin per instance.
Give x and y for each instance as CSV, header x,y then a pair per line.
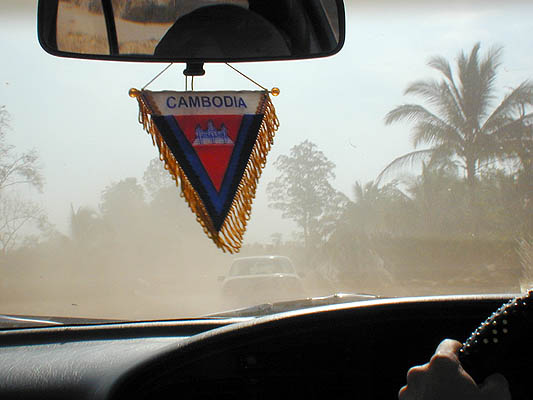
x,y
303,191
375,209
15,214
16,170
86,228
438,203
156,178
123,199
461,128
167,208
125,223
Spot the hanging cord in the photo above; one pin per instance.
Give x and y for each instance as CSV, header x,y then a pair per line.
x,y
158,75
187,83
275,91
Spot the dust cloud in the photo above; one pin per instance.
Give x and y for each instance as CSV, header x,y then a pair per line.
x,y
141,255
175,274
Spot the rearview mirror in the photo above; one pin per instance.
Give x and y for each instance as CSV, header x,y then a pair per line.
x,y
191,30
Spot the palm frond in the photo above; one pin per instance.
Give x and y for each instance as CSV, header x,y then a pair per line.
x,y
442,65
491,63
452,106
429,90
402,161
523,94
464,64
511,138
442,156
476,90
487,71
442,96
358,191
414,113
432,133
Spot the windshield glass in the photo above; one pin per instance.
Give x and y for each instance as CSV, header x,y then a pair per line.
x,y
402,167
261,265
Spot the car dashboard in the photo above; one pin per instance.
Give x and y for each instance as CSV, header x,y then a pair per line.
x,y
356,350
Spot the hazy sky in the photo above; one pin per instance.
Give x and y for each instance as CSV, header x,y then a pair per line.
x,y
78,115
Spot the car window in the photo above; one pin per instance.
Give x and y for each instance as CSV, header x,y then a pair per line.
x,y
258,266
402,166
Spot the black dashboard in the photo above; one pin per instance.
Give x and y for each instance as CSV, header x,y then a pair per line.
x,y
356,350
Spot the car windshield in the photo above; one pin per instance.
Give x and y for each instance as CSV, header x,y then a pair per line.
x,y
261,265
402,167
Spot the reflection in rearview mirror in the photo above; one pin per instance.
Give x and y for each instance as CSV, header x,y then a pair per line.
x,y
182,30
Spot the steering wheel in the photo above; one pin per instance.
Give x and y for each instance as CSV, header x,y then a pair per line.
x,y
503,343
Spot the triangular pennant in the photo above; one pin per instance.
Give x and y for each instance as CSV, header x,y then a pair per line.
x,y
214,144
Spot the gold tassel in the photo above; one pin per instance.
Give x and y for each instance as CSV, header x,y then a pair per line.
x,y
232,231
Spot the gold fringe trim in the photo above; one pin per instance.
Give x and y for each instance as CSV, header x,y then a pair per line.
x,y
232,231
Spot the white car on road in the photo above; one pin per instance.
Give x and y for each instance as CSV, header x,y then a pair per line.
x,y
261,279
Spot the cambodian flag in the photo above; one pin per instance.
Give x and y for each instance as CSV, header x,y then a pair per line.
x,y
211,136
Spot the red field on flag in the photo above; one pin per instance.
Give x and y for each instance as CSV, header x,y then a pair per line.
x,y
213,138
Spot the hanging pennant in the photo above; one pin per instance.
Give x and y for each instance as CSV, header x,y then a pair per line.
x,y
214,144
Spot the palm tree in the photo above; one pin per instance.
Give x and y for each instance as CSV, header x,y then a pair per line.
x,y
437,200
376,209
461,129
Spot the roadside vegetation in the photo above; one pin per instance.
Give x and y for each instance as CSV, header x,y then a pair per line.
x,y
466,220
453,215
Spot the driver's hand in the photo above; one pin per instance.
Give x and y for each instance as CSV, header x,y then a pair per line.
x,y
443,378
